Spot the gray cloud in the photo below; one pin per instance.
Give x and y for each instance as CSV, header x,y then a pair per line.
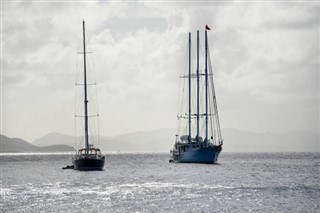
x,y
265,59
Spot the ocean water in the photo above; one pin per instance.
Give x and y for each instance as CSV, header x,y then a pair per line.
x,y
241,182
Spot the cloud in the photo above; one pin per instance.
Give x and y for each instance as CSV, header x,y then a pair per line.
x,y
265,58
271,62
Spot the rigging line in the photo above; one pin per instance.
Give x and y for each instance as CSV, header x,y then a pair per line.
x,y
183,83
75,135
98,131
212,120
79,137
184,70
216,107
179,123
76,104
93,96
92,135
80,53
203,126
92,77
91,103
79,43
181,102
181,86
183,98
186,128
212,101
76,77
212,111
189,89
89,116
97,96
93,126
91,84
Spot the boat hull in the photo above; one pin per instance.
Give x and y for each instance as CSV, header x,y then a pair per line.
x,y
88,164
191,154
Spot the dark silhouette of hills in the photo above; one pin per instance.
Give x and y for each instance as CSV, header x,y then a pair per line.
x,y
18,145
105,144
162,140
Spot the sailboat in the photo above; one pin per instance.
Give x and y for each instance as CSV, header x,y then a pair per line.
x,y
89,157
191,146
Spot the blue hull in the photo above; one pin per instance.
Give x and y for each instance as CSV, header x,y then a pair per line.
x,y
190,154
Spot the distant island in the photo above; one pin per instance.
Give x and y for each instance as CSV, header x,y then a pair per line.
x,y
162,140
9,145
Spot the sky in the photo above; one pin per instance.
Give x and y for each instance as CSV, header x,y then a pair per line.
x,y
265,59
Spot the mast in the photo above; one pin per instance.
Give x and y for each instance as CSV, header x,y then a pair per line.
x,y
189,138
85,92
206,74
198,89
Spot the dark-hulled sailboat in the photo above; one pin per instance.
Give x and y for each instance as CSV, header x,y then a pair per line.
x,y
195,149
87,158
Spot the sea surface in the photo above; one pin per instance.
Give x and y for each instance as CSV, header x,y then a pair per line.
x,y
147,182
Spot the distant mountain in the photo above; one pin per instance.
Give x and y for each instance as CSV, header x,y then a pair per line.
x,y
105,143
54,139
235,140
18,145
15,145
146,137
296,141
160,140
133,142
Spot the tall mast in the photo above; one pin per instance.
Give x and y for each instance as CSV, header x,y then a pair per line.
x,y
189,138
206,74
85,92
198,85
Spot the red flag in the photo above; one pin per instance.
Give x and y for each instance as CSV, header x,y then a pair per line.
x,y
207,28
